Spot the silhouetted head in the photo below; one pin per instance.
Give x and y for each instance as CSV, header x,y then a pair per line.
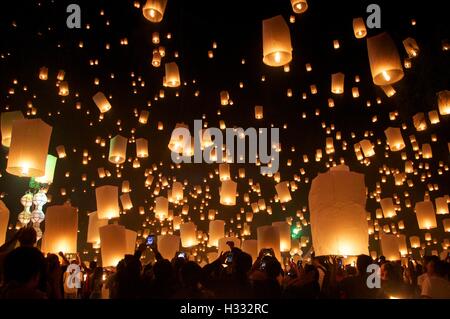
x,y
242,263
24,265
190,274
28,237
362,262
163,270
272,267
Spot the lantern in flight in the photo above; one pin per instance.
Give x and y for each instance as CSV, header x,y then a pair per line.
x,y
7,120
277,48
107,201
153,10
102,102
118,149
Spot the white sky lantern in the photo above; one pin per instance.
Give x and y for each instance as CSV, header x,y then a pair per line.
x,y
426,217
224,98
126,186
61,151
259,112
394,139
445,222
283,192
107,201
434,117
444,102
414,241
149,180
93,234
420,122
28,149
224,171
153,10
277,48
61,229
156,58
337,213
285,235
130,238
168,245
50,166
388,207
403,247
367,148
359,28
43,73
250,246
7,119
228,193
172,75
411,47
161,207
4,219
222,243
299,6
216,231
125,199
102,102
143,117
427,151
441,205
385,63
337,83
389,246
118,149
177,191
113,242
177,142
63,88
269,237
188,234
176,222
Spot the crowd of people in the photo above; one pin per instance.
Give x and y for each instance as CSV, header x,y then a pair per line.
x,y
25,273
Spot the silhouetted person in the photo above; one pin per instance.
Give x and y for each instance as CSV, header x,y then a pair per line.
x,y
266,281
191,274
436,285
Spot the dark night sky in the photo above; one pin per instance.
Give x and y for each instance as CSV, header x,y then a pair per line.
x,y
236,27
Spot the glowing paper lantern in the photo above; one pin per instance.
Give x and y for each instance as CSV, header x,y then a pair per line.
x,y
299,6
441,205
443,102
176,222
216,231
126,201
7,120
63,88
337,83
223,243
283,192
426,218
168,245
130,238
50,166
224,172
113,243
107,201
4,219
228,193
172,75
102,102
414,241
153,10
224,98
367,148
61,151
384,59
420,122
445,222
161,207
93,234
277,48
394,139
411,47
259,113
118,149
43,73
61,229
389,247
29,147
338,217
188,234
359,28
141,148
143,117
250,246
403,248
177,142
387,205
285,235
269,237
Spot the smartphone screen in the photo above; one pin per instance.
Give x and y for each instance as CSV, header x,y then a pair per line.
x,y
150,240
229,259
181,255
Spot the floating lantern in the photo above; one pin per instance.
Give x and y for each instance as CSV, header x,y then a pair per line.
x,y
7,120
143,117
161,207
337,83
188,235
50,166
168,245
118,149
228,193
156,59
441,205
426,217
259,112
403,248
283,192
61,229
28,149
367,148
93,234
414,241
102,102
384,59
299,6
359,28
387,205
4,219
269,237
125,199
390,247
224,98
285,235
277,48
177,142
420,122
444,102
394,139
250,246
411,47
338,217
63,88
141,148
216,232
107,201
43,73
172,75
113,242
153,10
445,222
224,172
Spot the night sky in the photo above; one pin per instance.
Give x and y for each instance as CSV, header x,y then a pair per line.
x,y
34,34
